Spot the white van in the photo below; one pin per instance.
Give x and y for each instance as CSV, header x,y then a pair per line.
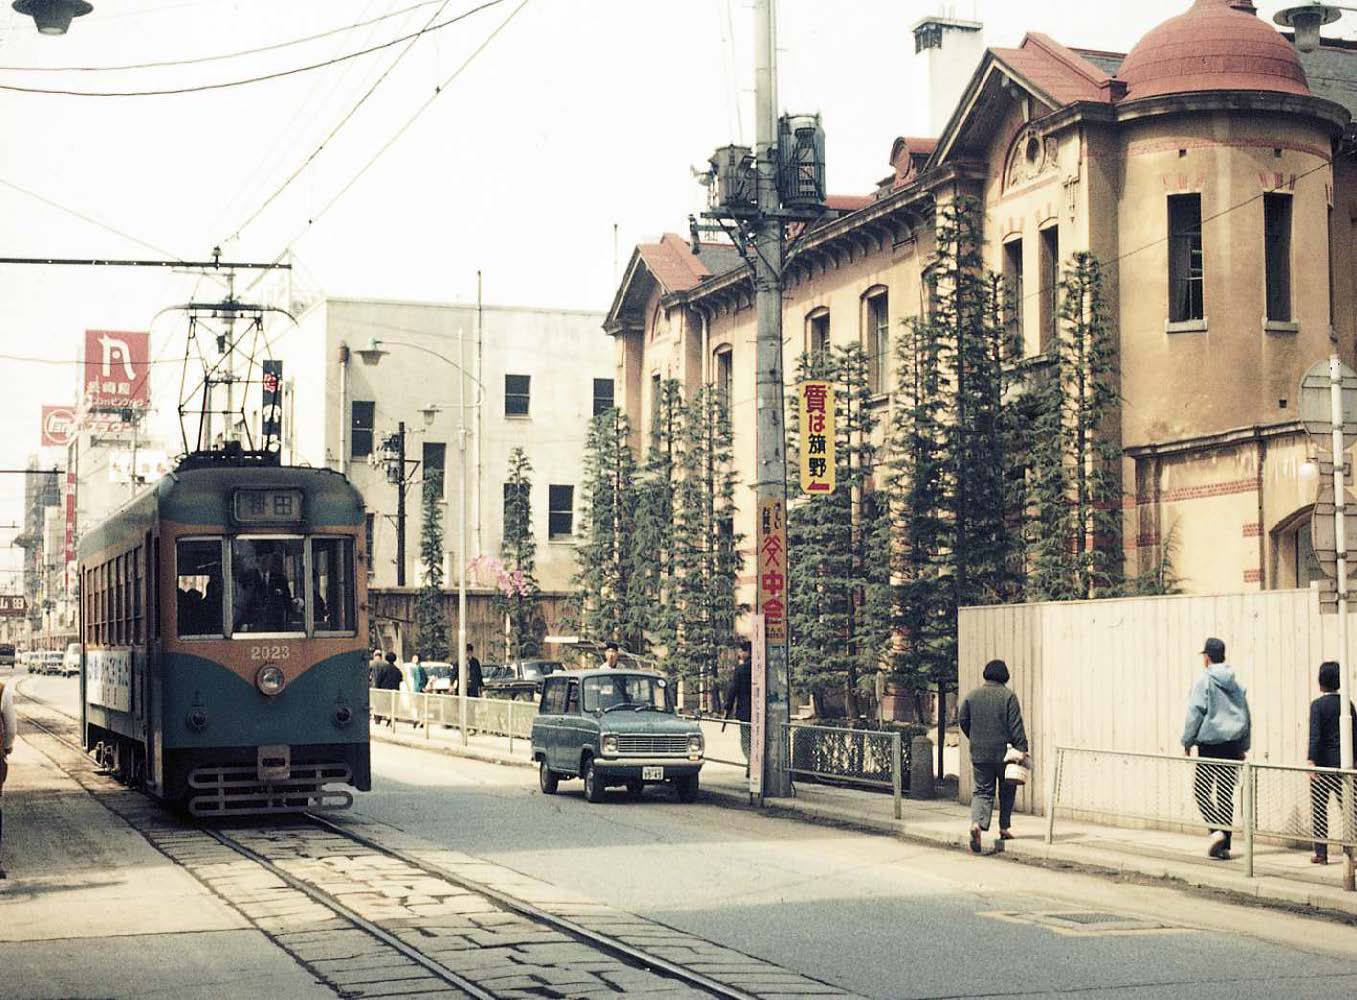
x,y
70,660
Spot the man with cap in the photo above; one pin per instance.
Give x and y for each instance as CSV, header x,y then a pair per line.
x,y
1218,725
610,654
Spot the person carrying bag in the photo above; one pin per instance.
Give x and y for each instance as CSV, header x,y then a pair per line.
x,y
991,718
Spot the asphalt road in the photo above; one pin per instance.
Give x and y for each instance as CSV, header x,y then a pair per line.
x,y
870,914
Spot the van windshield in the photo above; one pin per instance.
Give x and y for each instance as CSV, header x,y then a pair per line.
x,y
638,692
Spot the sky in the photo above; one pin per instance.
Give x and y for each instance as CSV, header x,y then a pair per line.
x,y
554,135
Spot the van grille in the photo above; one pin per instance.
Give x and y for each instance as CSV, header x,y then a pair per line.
x,y
650,745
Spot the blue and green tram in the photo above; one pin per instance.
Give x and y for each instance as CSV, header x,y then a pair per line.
x,y
224,626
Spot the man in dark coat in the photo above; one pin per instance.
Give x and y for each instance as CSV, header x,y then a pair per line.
x,y
389,679
1325,715
739,698
991,718
473,673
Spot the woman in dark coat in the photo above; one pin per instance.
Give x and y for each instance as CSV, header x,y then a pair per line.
x,y
1324,743
991,718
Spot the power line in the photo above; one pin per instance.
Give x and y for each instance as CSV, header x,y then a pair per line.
x,y
223,56
88,218
200,88
341,123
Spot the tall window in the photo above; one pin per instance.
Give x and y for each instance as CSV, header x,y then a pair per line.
x,y
1277,254
1050,286
560,511
1013,304
725,375
603,395
877,341
1186,261
435,463
817,332
516,395
360,428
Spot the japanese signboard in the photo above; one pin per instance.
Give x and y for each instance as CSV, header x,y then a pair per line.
x,y
271,413
57,424
117,370
758,707
772,568
13,606
268,506
68,503
817,437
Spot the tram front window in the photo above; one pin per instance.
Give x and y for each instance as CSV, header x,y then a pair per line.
x,y
332,584
267,589
198,590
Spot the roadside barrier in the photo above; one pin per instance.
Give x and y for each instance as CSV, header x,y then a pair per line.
x,y
872,757
1294,806
492,716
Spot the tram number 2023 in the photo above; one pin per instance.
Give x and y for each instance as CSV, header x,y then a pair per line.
x,y
267,652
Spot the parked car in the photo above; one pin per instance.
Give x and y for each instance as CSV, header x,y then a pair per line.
x,y
614,727
46,661
70,660
8,657
520,679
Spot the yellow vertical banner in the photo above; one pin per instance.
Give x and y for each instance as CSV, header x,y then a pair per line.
x,y
817,437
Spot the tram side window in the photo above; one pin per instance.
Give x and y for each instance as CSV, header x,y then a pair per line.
x,y
198,587
267,591
332,584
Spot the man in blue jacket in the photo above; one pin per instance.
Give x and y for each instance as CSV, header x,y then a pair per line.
x,y
1218,725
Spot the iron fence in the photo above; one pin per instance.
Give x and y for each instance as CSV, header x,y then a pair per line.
x,y
491,716
1279,803
873,757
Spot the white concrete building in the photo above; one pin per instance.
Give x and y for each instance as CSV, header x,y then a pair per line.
x,y
545,373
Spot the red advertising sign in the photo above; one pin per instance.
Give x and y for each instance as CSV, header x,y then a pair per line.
x,y
57,424
70,518
771,591
117,369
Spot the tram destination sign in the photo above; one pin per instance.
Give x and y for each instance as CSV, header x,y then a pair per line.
x,y
267,507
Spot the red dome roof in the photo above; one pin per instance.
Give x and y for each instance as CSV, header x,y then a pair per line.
x,y
1216,45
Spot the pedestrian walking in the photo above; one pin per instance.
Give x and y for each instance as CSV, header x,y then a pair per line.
x,y
389,679
991,718
1219,726
419,677
375,664
474,681
739,697
9,725
1325,713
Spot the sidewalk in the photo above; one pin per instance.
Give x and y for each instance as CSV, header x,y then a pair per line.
x,y
1284,876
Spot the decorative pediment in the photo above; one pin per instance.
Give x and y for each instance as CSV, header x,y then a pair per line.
x,y
1030,157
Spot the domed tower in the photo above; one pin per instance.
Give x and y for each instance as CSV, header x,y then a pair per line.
x,y
1223,236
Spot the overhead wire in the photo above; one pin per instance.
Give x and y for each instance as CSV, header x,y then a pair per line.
x,y
348,116
260,78
224,55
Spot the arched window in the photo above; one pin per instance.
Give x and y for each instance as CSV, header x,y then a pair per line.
x,y
724,372
1293,552
817,331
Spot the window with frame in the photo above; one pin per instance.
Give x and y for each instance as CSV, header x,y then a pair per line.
x,y
725,375
517,395
361,421
435,464
1277,255
267,584
332,584
603,395
817,332
199,593
560,511
877,340
138,605
1013,295
1050,286
1187,262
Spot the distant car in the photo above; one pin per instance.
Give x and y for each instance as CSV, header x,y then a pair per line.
x,y
46,661
8,657
519,679
614,727
70,660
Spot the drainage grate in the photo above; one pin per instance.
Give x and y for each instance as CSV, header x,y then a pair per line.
x,y
1090,917
1084,922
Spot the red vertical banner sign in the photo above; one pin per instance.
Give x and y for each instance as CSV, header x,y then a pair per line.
x,y
758,715
817,437
69,548
772,568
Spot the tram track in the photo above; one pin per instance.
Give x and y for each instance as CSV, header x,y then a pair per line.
x,y
445,930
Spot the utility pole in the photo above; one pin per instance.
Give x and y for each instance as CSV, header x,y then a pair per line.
x,y
770,435
400,504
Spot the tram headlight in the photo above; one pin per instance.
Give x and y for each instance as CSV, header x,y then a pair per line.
x,y
270,679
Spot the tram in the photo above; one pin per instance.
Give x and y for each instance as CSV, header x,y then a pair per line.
x,y
224,628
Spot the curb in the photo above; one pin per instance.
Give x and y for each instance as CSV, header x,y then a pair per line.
x,y
1267,891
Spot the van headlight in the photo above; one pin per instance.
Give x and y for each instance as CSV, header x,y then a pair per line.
x,y
695,745
610,745
270,679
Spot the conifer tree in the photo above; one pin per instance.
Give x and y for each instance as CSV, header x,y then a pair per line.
x,y
431,624
604,556
655,569
519,602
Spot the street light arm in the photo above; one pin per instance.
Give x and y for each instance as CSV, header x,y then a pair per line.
x,y
465,374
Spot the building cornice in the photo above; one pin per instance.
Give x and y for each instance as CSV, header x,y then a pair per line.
x,y
1331,114
1214,442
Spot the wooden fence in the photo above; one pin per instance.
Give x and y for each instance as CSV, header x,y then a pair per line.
x,y
1115,674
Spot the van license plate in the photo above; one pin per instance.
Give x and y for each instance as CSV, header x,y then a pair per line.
x,y
652,774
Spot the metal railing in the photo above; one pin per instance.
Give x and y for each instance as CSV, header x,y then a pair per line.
x,y
491,716
1274,802
871,757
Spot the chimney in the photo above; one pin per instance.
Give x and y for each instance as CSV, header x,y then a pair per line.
x,y
947,51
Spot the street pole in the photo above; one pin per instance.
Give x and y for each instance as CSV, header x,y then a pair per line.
x,y
400,504
770,434
1344,665
461,539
